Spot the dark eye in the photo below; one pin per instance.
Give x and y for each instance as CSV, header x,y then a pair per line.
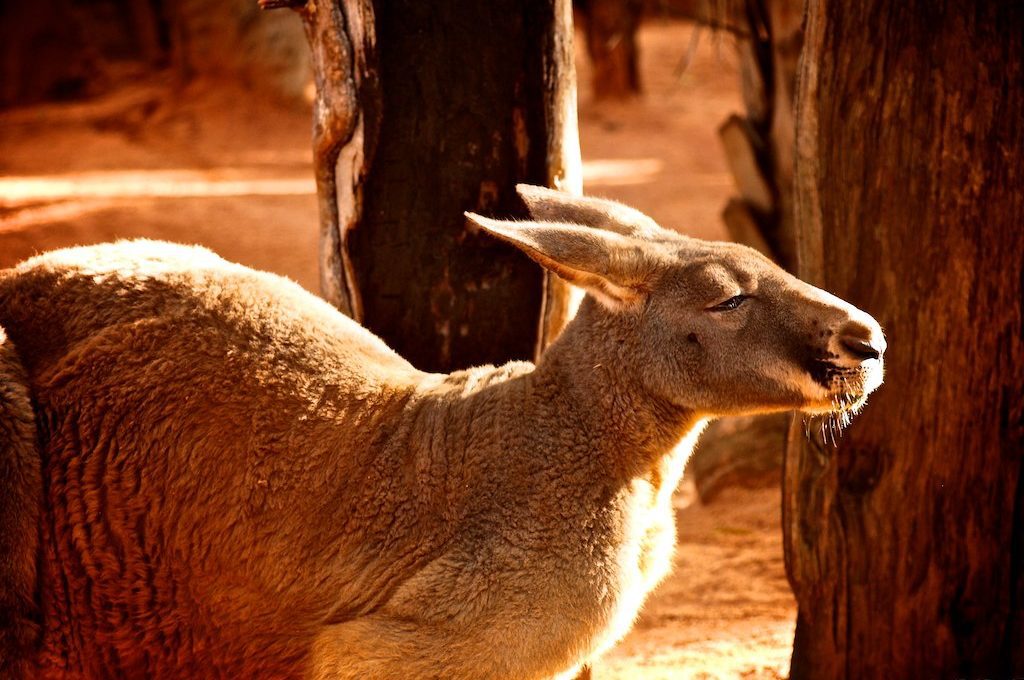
x,y
730,304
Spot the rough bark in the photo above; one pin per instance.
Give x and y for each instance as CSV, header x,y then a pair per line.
x,y
476,97
346,120
905,543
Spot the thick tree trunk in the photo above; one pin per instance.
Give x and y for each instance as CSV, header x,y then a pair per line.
x,y
425,111
905,543
475,98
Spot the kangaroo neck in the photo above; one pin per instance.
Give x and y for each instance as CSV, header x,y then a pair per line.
x,y
586,385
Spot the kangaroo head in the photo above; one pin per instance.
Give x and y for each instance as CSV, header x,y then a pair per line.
x,y
715,327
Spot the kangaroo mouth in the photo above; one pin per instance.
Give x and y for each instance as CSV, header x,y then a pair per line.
x,y
831,375
844,389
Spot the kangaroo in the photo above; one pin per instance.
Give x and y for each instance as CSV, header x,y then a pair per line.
x,y
239,481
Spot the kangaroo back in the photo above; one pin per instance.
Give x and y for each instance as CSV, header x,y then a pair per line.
x,y
20,497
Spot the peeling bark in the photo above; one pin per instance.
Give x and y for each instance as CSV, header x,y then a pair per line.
x,y
565,167
345,124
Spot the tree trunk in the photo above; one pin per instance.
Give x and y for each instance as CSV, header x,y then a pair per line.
x,y
476,97
759,144
45,53
905,543
610,27
460,102
346,121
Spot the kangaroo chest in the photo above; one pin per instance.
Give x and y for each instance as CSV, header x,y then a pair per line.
x,y
637,553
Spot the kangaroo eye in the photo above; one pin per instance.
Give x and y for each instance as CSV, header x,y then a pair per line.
x,y
730,304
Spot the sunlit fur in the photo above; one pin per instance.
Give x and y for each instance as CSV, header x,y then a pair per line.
x,y
238,481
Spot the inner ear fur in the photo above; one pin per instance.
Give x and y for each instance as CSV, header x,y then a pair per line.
x,y
550,205
615,268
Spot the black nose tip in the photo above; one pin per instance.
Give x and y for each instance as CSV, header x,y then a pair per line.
x,y
860,348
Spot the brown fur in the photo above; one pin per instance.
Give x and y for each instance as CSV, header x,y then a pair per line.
x,y
20,492
238,481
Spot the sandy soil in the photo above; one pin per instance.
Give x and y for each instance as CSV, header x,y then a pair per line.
x,y
668,138
222,170
234,174
726,611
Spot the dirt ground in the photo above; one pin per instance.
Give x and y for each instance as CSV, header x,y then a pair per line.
x,y
218,168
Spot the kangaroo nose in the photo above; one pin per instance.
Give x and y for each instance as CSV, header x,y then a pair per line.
x,y
859,340
862,349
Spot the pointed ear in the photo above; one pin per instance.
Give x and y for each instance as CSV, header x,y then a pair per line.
x,y
549,205
616,269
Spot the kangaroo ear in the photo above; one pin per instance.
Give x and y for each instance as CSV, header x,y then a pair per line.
x,y
614,268
549,205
